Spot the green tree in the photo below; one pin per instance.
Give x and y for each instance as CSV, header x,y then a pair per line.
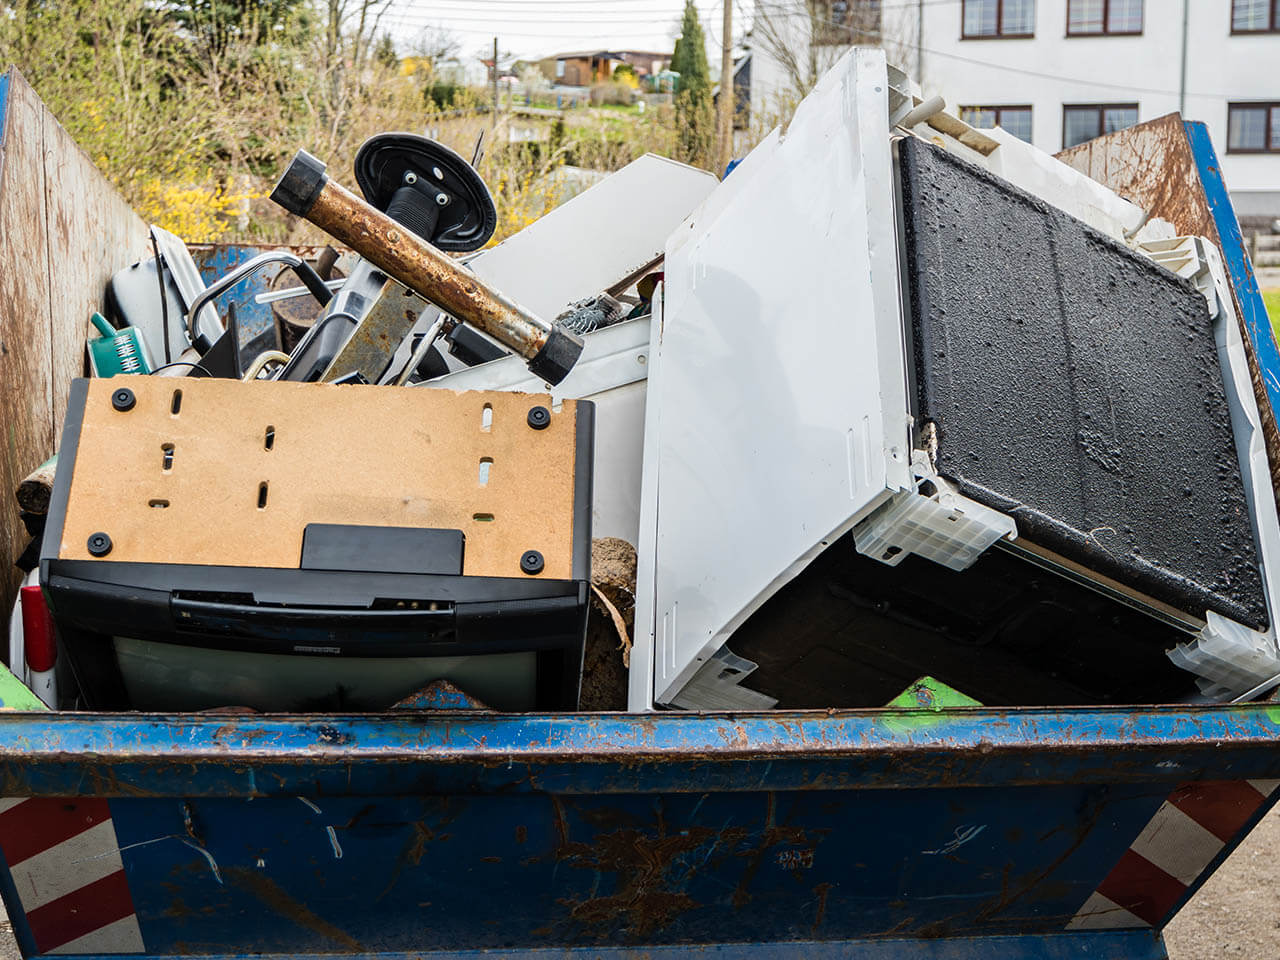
x,y
690,56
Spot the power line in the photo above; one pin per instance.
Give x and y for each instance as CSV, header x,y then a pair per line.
x,y
784,9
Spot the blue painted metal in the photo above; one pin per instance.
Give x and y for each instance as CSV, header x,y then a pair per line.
x,y
4,101
255,320
440,695
435,832
1236,254
1107,945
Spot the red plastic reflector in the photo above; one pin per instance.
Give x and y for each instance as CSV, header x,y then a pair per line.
x,y
37,631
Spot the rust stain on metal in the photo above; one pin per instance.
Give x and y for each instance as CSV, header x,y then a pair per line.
x,y
427,271
820,891
269,894
648,898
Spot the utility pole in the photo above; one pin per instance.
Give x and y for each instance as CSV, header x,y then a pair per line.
x,y
728,96
1182,83
495,83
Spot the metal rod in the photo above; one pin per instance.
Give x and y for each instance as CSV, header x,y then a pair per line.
x,y
262,359
288,293
247,269
420,351
305,189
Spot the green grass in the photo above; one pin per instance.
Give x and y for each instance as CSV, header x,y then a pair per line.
x,y
1272,299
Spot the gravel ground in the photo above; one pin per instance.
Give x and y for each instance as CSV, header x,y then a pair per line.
x,y
1235,914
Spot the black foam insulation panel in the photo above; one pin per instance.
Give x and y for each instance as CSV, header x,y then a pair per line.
x,y
1074,385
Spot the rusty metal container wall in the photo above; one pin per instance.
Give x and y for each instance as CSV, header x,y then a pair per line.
x,y
65,230
877,833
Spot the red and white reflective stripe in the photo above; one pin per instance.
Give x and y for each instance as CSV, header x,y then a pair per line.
x,y
1191,827
65,862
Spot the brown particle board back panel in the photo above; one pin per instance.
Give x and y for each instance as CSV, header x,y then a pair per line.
x,y
233,477
63,231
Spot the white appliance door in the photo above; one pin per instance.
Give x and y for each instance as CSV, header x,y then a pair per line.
x,y
777,413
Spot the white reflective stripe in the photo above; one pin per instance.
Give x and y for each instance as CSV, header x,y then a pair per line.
x,y
8,803
123,936
1264,787
1099,913
1176,844
72,864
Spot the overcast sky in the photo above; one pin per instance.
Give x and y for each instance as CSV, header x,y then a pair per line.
x,y
534,28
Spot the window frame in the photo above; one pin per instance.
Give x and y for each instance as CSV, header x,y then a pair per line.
x,y
997,109
1270,107
999,34
1106,17
1274,26
1098,108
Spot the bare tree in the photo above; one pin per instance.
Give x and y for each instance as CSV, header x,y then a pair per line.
x,y
346,42
434,45
804,38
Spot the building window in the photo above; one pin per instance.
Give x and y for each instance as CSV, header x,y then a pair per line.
x,y
1017,120
998,18
1104,17
1255,16
1253,128
1084,121
845,22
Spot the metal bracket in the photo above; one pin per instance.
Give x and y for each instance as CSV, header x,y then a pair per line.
x,y
934,522
716,686
372,344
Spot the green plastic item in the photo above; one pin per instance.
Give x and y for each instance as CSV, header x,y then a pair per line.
x,y
930,694
14,694
117,351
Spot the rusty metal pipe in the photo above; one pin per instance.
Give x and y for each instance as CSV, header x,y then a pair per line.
x,y
306,190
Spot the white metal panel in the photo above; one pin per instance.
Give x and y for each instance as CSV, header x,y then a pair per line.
x,y
600,236
777,413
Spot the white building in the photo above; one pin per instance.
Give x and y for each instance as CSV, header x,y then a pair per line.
x,y
1059,72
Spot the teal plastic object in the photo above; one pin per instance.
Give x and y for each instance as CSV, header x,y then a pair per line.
x,y
117,351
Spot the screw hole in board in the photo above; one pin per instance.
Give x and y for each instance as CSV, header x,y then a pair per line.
x,y
158,504
486,417
166,457
482,517
486,464
176,407
269,438
262,495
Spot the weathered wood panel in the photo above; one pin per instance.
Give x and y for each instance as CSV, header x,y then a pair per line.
x,y
26,388
92,233
63,231
1151,164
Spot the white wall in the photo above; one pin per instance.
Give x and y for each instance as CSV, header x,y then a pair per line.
x,y
1051,69
1145,69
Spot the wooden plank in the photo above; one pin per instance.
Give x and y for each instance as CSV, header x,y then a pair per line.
x,y
26,402
92,233
187,487
1151,164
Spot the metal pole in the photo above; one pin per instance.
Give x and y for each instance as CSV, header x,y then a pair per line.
x,y
728,95
495,82
1182,87
306,190
920,43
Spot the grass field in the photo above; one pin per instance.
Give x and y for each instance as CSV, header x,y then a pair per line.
x,y
1272,299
